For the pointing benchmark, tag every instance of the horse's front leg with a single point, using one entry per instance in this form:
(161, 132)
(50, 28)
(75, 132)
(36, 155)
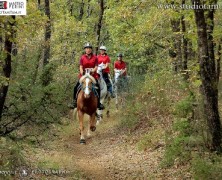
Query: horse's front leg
(116, 101)
(99, 116)
(92, 123)
(116, 97)
(81, 127)
(108, 107)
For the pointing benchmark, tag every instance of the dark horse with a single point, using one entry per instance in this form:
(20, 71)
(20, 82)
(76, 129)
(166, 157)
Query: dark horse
(87, 104)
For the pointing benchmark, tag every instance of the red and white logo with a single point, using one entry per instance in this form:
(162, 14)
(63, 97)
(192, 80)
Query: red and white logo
(3, 4)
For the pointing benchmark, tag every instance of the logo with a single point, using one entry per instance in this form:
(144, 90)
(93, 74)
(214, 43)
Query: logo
(12, 7)
(3, 4)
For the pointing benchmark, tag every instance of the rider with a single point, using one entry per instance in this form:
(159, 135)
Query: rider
(105, 59)
(120, 65)
(88, 60)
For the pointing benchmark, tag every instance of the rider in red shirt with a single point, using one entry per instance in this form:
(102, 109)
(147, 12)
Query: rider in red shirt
(105, 59)
(120, 65)
(87, 60)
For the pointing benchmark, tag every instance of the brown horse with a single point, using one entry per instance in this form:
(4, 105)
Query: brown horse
(87, 104)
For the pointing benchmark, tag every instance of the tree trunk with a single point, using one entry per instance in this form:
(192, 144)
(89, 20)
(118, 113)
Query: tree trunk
(6, 65)
(99, 25)
(177, 45)
(35, 73)
(88, 9)
(46, 53)
(1, 38)
(39, 4)
(210, 28)
(207, 74)
(70, 5)
(47, 34)
(218, 61)
(81, 10)
(185, 49)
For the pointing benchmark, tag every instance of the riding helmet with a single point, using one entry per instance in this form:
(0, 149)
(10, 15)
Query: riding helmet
(87, 45)
(102, 48)
(119, 55)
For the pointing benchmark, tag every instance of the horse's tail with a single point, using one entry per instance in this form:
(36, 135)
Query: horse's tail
(75, 117)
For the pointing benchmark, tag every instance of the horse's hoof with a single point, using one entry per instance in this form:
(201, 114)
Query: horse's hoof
(82, 141)
(93, 128)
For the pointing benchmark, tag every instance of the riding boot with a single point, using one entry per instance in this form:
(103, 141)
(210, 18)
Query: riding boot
(100, 106)
(74, 103)
(110, 89)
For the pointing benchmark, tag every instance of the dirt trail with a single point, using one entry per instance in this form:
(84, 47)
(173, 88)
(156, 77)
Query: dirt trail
(109, 154)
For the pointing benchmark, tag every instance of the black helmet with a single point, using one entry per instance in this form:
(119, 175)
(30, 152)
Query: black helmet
(87, 45)
(119, 55)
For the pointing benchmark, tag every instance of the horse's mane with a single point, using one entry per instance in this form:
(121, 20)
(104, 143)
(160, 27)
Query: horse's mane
(89, 76)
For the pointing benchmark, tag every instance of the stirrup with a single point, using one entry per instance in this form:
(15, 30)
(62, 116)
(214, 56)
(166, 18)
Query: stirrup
(100, 106)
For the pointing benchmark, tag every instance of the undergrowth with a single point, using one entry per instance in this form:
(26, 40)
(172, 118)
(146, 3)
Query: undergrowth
(11, 158)
(165, 96)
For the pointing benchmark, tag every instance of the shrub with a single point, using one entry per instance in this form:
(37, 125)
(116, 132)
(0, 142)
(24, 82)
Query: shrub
(207, 167)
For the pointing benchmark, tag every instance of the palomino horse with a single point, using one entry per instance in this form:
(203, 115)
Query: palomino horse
(119, 88)
(104, 93)
(87, 104)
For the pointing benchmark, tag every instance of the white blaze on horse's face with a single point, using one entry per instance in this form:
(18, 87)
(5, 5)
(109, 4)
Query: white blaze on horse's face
(87, 89)
(100, 68)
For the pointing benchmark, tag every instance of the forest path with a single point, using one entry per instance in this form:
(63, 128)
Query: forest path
(110, 154)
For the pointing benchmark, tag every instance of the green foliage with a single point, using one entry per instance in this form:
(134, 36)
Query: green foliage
(151, 139)
(176, 153)
(184, 107)
(159, 83)
(47, 74)
(48, 165)
(144, 36)
(205, 167)
(12, 156)
(130, 23)
(182, 125)
(129, 117)
(4, 81)
(177, 147)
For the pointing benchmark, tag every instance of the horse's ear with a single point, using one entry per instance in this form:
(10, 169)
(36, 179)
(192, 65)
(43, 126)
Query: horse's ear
(93, 79)
(81, 79)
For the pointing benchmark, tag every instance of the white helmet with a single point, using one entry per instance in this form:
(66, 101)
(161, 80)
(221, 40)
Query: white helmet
(102, 48)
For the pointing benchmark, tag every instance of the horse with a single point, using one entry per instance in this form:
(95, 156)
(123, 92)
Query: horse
(105, 95)
(87, 103)
(119, 88)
